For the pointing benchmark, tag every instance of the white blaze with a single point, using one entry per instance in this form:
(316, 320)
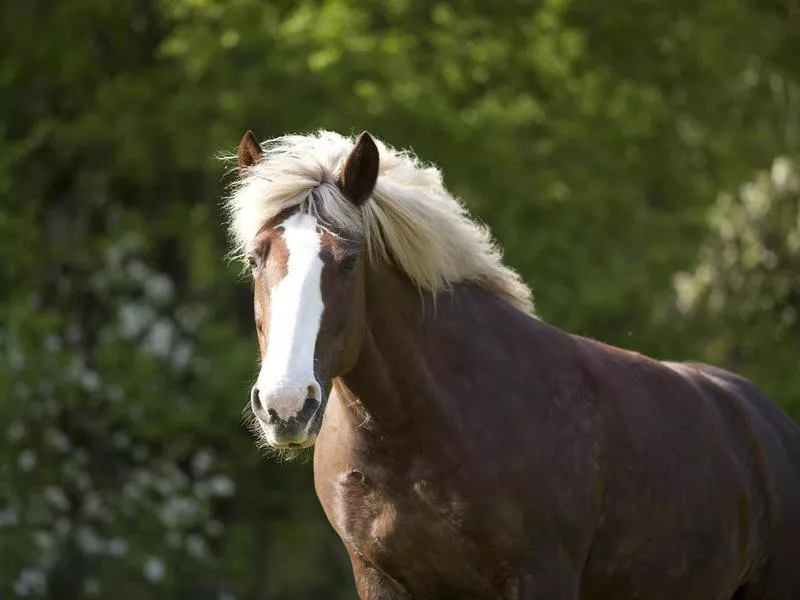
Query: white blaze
(294, 320)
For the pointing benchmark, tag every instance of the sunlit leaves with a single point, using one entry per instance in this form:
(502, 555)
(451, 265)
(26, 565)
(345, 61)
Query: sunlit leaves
(591, 136)
(746, 282)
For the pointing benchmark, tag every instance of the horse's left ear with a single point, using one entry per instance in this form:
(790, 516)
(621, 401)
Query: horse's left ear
(249, 151)
(360, 170)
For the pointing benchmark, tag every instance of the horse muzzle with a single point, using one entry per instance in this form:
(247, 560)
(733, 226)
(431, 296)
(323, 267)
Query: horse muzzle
(289, 415)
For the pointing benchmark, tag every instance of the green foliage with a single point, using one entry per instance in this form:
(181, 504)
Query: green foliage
(593, 138)
(744, 293)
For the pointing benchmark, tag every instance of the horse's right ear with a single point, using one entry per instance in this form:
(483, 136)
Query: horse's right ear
(249, 152)
(360, 170)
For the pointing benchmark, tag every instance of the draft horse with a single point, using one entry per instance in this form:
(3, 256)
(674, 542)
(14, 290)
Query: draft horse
(466, 449)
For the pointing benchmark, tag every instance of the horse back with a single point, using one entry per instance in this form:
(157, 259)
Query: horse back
(770, 436)
(772, 440)
(702, 478)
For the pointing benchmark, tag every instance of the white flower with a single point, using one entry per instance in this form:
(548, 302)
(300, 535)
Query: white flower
(784, 175)
(202, 462)
(56, 496)
(159, 287)
(8, 516)
(221, 485)
(27, 460)
(30, 581)
(15, 431)
(153, 569)
(117, 547)
(88, 541)
(196, 546)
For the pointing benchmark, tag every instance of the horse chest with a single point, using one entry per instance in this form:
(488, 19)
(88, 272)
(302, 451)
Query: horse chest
(415, 529)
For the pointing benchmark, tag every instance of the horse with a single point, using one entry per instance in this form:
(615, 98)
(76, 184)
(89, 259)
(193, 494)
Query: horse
(464, 448)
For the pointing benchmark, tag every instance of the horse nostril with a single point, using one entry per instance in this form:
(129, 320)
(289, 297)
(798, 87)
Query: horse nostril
(273, 416)
(309, 408)
(254, 398)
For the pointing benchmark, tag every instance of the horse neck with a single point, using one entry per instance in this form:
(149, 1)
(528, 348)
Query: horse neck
(410, 343)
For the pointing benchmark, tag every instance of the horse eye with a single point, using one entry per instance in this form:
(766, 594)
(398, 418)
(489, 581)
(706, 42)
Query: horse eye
(349, 263)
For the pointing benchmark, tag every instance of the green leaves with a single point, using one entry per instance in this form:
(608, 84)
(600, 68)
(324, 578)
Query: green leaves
(744, 292)
(592, 138)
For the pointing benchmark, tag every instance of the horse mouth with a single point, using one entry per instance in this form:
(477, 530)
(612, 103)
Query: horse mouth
(295, 445)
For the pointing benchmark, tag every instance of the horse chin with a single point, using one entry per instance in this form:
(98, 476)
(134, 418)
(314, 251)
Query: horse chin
(295, 442)
(298, 445)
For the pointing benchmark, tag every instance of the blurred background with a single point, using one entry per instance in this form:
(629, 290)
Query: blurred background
(636, 158)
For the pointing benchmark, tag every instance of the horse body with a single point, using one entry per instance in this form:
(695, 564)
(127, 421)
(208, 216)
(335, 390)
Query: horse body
(430, 501)
(612, 475)
(465, 449)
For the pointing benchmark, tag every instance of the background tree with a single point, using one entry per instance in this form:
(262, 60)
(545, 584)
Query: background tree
(743, 296)
(594, 139)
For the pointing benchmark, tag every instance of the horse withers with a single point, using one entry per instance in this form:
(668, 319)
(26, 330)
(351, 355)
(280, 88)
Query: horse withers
(464, 448)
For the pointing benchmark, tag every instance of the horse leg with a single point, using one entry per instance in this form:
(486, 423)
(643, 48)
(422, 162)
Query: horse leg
(372, 584)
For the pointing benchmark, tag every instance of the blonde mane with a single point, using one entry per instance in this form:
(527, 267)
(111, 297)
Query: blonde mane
(410, 216)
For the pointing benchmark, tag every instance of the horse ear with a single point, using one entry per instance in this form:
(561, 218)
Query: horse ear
(360, 170)
(249, 151)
